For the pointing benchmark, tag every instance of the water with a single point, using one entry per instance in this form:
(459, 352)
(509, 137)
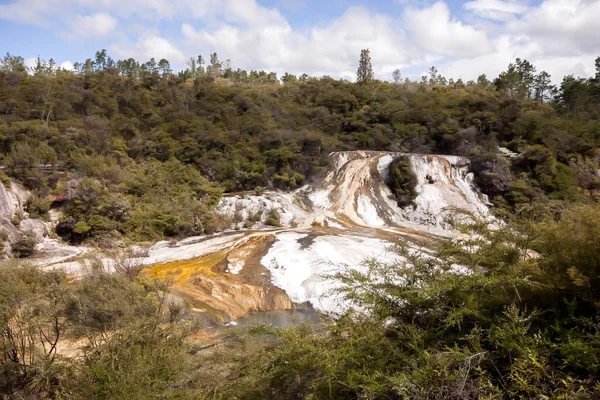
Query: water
(278, 318)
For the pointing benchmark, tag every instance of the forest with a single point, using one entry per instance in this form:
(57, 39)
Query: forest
(132, 153)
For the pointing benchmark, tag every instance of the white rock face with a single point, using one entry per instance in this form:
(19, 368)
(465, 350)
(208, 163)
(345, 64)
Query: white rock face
(7, 204)
(444, 183)
(355, 189)
(38, 227)
(334, 224)
(302, 269)
(241, 208)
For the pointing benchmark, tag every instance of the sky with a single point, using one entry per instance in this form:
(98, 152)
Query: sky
(462, 38)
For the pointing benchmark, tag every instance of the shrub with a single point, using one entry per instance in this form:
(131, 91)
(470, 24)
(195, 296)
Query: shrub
(24, 246)
(4, 179)
(39, 206)
(402, 181)
(273, 219)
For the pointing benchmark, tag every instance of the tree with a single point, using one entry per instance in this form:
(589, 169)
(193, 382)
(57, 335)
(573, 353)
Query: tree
(215, 65)
(433, 75)
(152, 66)
(88, 66)
(200, 65)
(595, 83)
(509, 81)
(483, 81)
(396, 76)
(192, 67)
(164, 66)
(110, 63)
(288, 78)
(40, 67)
(11, 63)
(573, 93)
(227, 70)
(100, 60)
(364, 74)
(526, 72)
(542, 86)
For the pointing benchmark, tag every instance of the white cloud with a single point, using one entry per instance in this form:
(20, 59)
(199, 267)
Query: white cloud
(68, 65)
(559, 36)
(499, 10)
(151, 46)
(93, 26)
(508, 48)
(30, 62)
(26, 11)
(331, 50)
(435, 32)
(563, 27)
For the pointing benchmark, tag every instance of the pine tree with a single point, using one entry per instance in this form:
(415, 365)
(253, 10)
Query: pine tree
(433, 75)
(396, 76)
(365, 69)
(100, 61)
(192, 67)
(164, 66)
(215, 65)
(542, 86)
(200, 65)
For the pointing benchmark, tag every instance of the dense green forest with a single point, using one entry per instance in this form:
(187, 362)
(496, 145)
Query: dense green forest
(128, 133)
(150, 152)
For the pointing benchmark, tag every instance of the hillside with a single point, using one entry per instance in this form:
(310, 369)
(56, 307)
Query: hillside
(441, 236)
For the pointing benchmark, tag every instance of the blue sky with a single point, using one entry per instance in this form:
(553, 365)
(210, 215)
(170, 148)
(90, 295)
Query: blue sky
(462, 38)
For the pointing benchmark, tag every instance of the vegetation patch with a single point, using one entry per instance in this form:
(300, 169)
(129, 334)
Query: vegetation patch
(402, 181)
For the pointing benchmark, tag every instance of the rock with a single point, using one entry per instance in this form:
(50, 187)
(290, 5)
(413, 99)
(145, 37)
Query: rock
(38, 227)
(7, 206)
(55, 215)
(20, 196)
(507, 153)
(71, 189)
(11, 231)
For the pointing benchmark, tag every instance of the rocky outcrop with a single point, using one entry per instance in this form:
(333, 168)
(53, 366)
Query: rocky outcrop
(355, 189)
(7, 204)
(235, 297)
(37, 227)
(12, 204)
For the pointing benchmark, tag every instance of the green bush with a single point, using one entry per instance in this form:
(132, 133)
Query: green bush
(402, 181)
(273, 218)
(39, 206)
(24, 246)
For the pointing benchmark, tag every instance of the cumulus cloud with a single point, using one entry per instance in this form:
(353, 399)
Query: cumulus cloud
(559, 36)
(562, 27)
(436, 32)
(499, 10)
(330, 50)
(26, 11)
(93, 26)
(150, 46)
(68, 65)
